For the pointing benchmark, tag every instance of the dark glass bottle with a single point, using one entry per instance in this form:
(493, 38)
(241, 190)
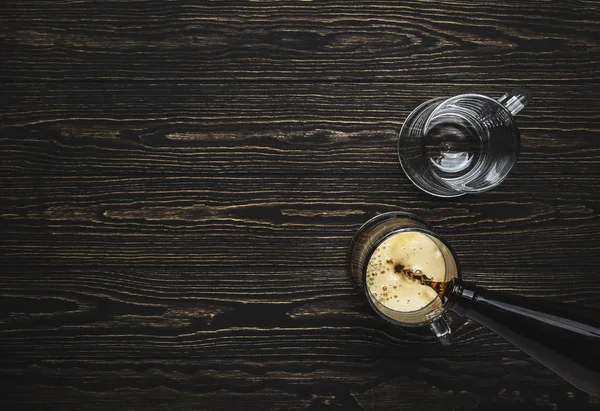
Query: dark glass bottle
(564, 338)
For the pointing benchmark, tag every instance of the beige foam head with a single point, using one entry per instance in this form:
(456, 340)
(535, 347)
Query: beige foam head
(395, 290)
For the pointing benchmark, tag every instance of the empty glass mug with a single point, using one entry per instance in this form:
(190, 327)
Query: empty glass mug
(564, 338)
(463, 144)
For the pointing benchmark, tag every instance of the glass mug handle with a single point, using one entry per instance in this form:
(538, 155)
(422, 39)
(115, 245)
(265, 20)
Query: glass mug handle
(441, 329)
(515, 100)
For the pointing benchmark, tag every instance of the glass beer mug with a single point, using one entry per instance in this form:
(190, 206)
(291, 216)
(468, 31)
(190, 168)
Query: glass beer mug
(411, 277)
(463, 144)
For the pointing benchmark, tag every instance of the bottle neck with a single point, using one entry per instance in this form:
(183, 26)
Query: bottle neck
(458, 297)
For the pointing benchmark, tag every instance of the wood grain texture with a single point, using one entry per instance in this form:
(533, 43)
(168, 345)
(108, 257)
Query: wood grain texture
(241, 128)
(242, 221)
(288, 384)
(416, 41)
(216, 312)
(179, 183)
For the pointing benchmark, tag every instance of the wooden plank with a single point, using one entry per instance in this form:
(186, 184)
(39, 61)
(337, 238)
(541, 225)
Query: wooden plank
(291, 384)
(281, 220)
(210, 312)
(206, 129)
(417, 41)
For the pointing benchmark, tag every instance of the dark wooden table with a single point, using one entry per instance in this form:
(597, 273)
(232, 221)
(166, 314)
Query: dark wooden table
(181, 180)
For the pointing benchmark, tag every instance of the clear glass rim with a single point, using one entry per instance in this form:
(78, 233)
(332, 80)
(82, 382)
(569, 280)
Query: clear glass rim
(474, 95)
